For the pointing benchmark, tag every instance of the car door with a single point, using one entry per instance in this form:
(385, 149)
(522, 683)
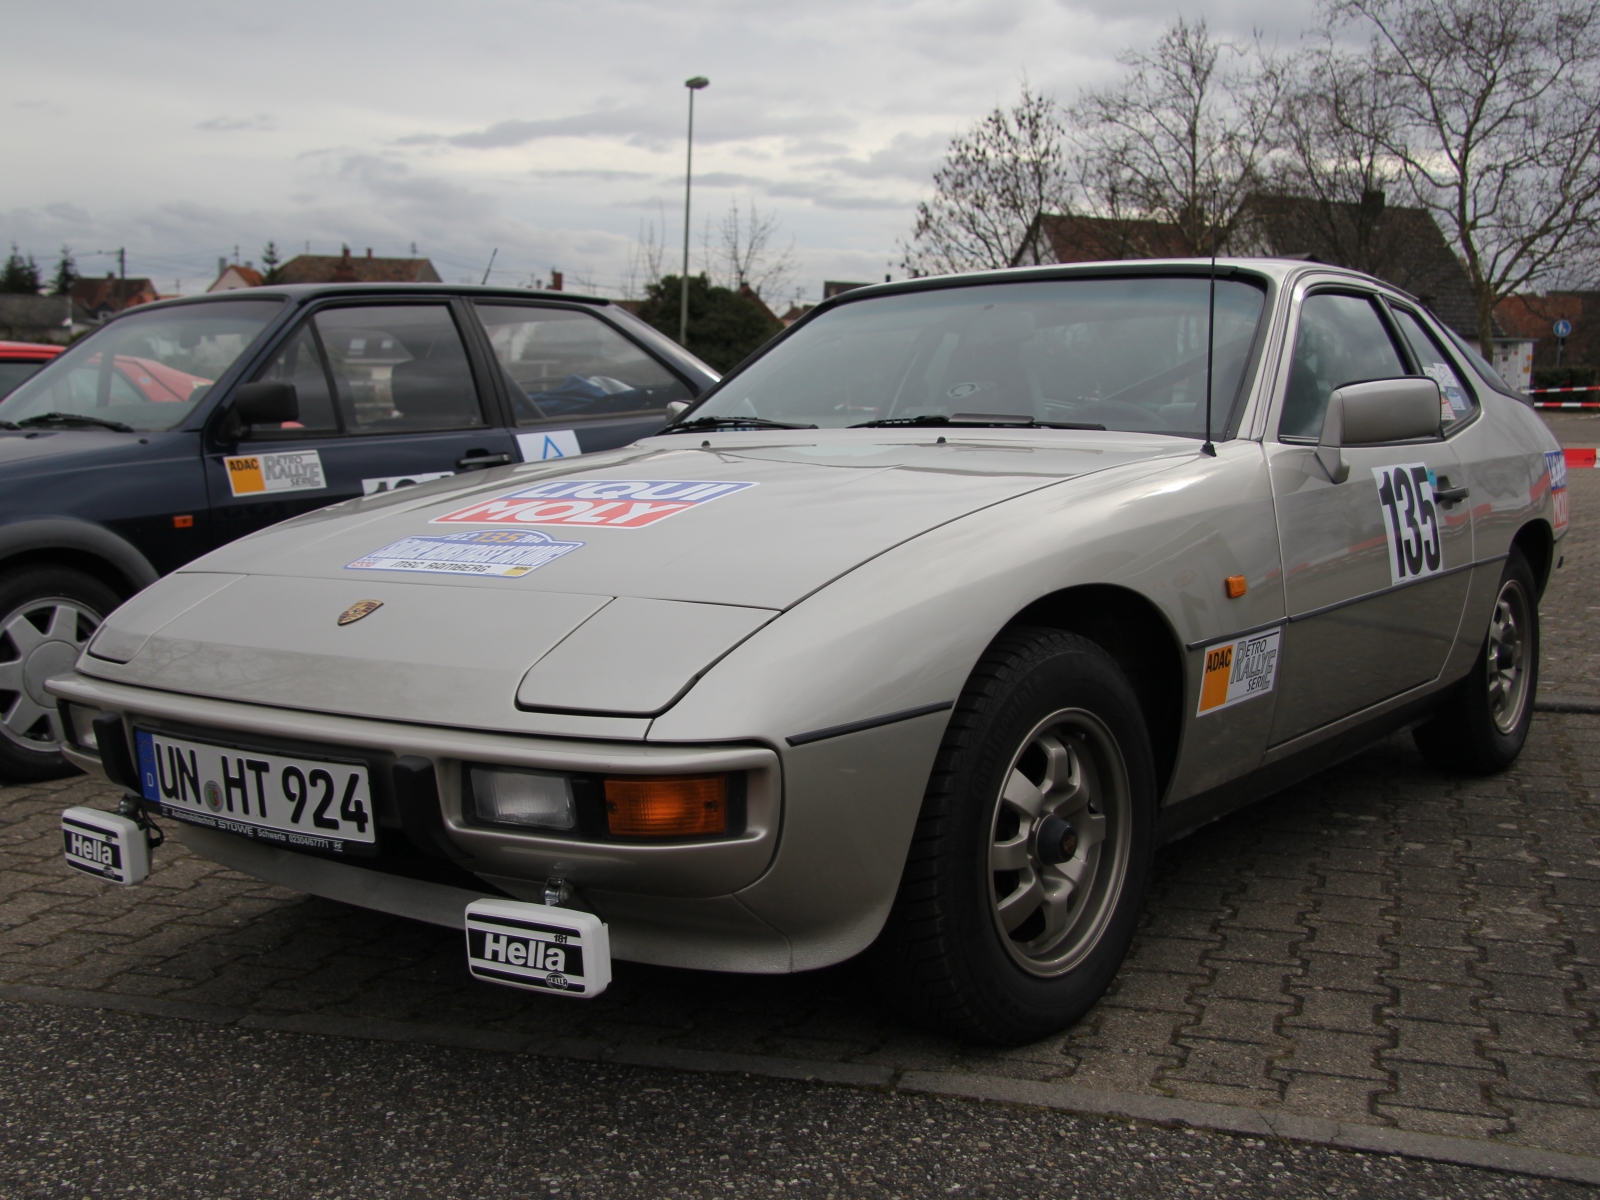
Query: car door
(1375, 566)
(576, 383)
(389, 396)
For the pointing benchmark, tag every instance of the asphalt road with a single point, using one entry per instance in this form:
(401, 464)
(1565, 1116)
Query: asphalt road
(99, 1104)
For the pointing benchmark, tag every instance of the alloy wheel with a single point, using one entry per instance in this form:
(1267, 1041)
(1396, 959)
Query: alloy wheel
(1059, 842)
(38, 639)
(1507, 652)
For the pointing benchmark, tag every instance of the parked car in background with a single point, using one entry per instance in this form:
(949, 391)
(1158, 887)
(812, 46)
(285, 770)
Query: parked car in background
(183, 425)
(22, 360)
(920, 632)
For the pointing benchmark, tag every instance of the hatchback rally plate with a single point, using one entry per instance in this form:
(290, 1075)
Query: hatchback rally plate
(301, 803)
(105, 845)
(534, 946)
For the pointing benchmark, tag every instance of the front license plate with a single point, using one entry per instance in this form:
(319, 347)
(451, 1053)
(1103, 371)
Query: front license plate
(300, 803)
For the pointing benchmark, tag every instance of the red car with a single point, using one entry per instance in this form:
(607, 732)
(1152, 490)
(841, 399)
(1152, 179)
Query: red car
(18, 360)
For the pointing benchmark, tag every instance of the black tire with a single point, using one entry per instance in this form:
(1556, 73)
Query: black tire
(1044, 705)
(1481, 726)
(61, 607)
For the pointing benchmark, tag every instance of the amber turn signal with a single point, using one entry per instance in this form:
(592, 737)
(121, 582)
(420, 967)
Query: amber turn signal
(1235, 585)
(184, 522)
(667, 806)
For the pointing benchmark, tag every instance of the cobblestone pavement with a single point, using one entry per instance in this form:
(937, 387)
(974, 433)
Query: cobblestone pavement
(1378, 945)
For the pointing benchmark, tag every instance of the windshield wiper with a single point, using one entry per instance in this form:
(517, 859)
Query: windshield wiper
(978, 421)
(61, 418)
(732, 423)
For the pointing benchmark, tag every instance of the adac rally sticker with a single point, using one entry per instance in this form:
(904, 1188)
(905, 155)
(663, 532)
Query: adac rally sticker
(1237, 670)
(292, 471)
(506, 553)
(1555, 462)
(597, 503)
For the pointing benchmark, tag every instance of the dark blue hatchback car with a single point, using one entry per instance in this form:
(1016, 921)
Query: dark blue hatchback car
(186, 424)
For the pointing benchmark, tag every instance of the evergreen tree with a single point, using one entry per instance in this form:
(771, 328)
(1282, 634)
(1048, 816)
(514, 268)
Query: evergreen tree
(20, 276)
(724, 327)
(66, 274)
(270, 262)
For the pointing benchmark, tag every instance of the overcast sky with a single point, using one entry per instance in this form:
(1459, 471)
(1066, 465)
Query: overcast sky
(553, 131)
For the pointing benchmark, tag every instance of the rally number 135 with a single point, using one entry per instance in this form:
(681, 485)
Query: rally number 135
(1405, 494)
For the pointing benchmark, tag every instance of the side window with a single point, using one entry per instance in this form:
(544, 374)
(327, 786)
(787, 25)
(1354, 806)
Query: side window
(300, 362)
(560, 364)
(399, 368)
(1456, 403)
(1341, 340)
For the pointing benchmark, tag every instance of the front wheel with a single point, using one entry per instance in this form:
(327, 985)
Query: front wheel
(1031, 855)
(49, 614)
(1481, 727)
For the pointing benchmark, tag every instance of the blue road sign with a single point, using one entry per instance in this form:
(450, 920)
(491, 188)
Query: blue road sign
(1562, 328)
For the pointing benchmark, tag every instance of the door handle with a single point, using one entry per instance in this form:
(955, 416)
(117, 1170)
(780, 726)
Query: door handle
(1447, 495)
(474, 459)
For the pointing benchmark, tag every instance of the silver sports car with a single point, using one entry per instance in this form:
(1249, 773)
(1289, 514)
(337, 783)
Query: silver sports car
(916, 636)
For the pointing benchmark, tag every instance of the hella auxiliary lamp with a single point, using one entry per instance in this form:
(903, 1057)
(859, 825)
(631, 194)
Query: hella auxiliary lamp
(622, 807)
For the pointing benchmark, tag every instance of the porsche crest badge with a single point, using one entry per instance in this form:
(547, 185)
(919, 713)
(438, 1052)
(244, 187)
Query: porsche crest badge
(361, 608)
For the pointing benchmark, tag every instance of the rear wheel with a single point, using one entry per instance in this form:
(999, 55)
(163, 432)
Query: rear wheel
(1481, 728)
(1031, 854)
(47, 615)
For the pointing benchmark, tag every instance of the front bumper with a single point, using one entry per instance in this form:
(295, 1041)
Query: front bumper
(511, 861)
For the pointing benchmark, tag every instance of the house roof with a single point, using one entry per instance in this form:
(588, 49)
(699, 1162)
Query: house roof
(112, 294)
(241, 277)
(1402, 246)
(344, 268)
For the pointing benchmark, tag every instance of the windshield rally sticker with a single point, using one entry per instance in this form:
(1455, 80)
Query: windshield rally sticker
(1239, 670)
(293, 471)
(597, 503)
(486, 552)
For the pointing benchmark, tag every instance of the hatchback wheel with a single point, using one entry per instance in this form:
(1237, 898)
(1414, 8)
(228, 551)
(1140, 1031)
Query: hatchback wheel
(1483, 723)
(47, 615)
(1031, 855)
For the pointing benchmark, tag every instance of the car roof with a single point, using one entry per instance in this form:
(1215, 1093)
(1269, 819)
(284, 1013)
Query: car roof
(301, 292)
(1279, 270)
(29, 350)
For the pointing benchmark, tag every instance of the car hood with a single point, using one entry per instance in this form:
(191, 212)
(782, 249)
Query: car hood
(604, 585)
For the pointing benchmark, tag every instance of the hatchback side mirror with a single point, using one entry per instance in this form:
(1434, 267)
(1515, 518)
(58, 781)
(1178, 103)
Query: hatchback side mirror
(266, 404)
(1375, 414)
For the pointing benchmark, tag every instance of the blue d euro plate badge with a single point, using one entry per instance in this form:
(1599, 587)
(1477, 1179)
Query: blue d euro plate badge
(505, 553)
(534, 946)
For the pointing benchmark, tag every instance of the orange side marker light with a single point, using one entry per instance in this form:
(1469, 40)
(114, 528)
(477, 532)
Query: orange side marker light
(1235, 586)
(184, 522)
(681, 806)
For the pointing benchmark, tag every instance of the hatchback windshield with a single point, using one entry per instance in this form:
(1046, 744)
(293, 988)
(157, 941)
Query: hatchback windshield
(145, 371)
(1126, 354)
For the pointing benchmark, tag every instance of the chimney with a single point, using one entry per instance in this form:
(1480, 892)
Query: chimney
(555, 280)
(369, 253)
(222, 264)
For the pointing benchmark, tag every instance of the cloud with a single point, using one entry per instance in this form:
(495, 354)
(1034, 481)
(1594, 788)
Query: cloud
(260, 123)
(907, 156)
(589, 173)
(653, 128)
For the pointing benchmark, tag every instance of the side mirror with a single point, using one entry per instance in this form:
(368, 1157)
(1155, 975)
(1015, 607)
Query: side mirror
(676, 409)
(1375, 414)
(266, 404)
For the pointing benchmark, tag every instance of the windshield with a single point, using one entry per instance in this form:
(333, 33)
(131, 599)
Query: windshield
(145, 371)
(1126, 354)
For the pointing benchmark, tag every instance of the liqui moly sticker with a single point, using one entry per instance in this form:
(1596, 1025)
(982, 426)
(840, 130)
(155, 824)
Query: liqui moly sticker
(594, 503)
(1238, 670)
(1556, 462)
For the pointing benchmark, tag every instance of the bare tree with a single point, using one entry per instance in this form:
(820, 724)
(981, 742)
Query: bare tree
(1185, 139)
(645, 258)
(743, 253)
(1495, 129)
(997, 180)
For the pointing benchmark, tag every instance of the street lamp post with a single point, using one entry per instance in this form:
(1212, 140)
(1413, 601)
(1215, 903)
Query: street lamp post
(694, 85)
